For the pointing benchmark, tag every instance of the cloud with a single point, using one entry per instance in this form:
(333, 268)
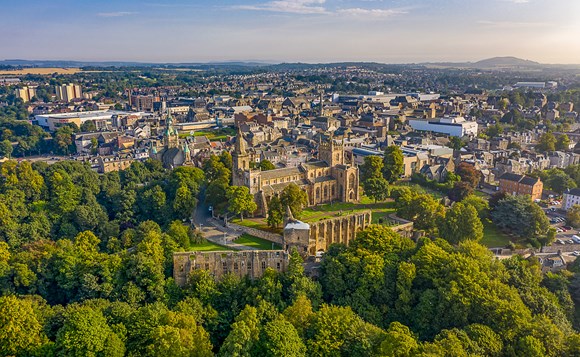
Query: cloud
(517, 1)
(370, 12)
(115, 14)
(288, 6)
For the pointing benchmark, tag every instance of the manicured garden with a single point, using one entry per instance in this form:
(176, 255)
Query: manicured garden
(207, 246)
(257, 243)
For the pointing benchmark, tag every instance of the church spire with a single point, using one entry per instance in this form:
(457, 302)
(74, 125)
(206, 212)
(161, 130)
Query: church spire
(240, 147)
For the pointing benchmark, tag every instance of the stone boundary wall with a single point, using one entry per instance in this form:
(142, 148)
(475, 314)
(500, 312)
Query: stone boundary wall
(272, 237)
(402, 226)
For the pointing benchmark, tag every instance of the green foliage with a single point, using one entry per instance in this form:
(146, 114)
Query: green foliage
(393, 163)
(547, 142)
(562, 142)
(292, 196)
(376, 188)
(372, 168)
(6, 148)
(20, 328)
(481, 205)
(266, 165)
(573, 216)
(461, 223)
(275, 212)
(521, 216)
(240, 200)
(423, 209)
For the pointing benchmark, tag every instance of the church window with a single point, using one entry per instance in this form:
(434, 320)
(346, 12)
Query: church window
(278, 266)
(326, 192)
(263, 265)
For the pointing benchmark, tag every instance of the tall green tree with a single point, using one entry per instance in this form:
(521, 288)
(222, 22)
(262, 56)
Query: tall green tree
(240, 200)
(461, 223)
(371, 168)
(275, 212)
(547, 142)
(377, 188)
(393, 163)
(6, 148)
(295, 198)
(562, 142)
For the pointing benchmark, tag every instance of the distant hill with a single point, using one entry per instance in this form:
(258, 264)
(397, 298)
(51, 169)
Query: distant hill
(505, 62)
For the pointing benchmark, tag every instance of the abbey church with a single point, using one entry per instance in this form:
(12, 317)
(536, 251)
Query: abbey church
(329, 179)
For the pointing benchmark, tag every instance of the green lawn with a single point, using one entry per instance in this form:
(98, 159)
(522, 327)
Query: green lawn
(256, 223)
(255, 242)
(212, 135)
(207, 246)
(492, 236)
(318, 213)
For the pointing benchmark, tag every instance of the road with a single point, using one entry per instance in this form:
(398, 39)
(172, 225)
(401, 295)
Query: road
(213, 229)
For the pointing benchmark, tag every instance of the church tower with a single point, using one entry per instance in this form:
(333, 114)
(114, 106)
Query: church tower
(330, 152)
(241, 160)
(170, 136)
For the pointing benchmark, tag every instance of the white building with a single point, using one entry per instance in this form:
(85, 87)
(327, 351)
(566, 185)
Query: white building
(571, 198)
(102, 118)
(453, 126)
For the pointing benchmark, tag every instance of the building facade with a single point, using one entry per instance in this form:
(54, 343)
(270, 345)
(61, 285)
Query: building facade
(571, 198)
(68, 92)
(326, 180)
(517, 185)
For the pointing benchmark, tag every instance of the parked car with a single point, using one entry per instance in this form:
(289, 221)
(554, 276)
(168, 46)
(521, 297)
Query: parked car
(566, 228)
(558, 241)
(575, 253)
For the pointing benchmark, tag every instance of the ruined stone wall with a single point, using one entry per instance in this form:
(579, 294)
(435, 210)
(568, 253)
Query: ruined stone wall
(401, 226)
(272, 237)
(250, 263)
(341, 229)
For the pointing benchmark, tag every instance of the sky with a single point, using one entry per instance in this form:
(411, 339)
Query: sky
(386, 31)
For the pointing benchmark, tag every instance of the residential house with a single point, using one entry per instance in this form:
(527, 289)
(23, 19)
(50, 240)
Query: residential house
(517, 185)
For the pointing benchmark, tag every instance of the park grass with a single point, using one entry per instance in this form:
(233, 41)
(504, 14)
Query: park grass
(256, 223)
(492, 236)
(321, 212)
(213, 135)
(255, 242)
(207, 246)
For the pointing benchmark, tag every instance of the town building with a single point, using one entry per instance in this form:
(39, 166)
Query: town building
(25, 93)
(516, 185)
(68, 92)
(571, 198)
(453, 126)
